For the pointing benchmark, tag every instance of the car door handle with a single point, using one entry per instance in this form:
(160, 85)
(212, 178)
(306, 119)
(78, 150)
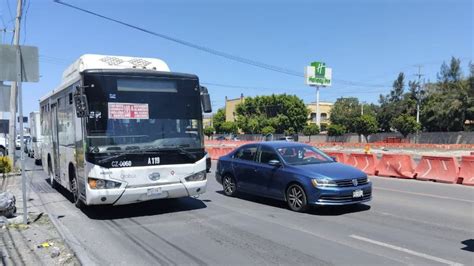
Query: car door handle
(255, 169)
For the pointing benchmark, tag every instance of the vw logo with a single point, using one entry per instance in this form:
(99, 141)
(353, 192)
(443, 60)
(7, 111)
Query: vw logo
(154, 176)
(354, 182)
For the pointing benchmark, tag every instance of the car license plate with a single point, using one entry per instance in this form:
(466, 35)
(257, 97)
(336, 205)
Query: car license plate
(357, 193)
(154, 191)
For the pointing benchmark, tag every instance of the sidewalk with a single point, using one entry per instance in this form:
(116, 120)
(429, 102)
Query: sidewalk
(38, 242)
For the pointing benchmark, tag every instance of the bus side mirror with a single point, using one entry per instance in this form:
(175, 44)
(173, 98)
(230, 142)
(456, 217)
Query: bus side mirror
(82, 108)
(205, 100)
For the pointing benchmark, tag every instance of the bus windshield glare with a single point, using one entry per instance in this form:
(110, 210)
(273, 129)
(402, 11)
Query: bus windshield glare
(142, 113)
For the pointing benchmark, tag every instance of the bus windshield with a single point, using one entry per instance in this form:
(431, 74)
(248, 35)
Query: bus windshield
(147, 112)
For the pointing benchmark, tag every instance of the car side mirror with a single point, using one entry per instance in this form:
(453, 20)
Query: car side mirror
(334, 158)
(275, 163)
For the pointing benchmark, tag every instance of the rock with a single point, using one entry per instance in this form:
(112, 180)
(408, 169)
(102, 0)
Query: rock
(7, 204)
(55, 252)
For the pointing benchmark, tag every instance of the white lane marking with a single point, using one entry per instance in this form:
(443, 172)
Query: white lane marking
(423, 194)
(409, 251)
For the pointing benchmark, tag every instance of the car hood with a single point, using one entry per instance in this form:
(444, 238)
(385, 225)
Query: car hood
(335, 171)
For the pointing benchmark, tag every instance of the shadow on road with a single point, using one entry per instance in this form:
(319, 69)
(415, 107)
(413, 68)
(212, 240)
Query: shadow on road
(469, 245)
(148, 208)
(317, 210)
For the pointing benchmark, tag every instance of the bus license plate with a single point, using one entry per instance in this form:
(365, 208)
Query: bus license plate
(357, 193)
(154, 191)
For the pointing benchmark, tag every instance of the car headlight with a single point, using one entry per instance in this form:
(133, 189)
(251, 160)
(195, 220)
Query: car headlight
(95, 183)
(199, 176)
(323, 182)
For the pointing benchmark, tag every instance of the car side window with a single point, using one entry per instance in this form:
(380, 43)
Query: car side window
(267, 154)
(246, 153)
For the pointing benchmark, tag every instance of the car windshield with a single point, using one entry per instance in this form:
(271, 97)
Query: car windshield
(302, 155)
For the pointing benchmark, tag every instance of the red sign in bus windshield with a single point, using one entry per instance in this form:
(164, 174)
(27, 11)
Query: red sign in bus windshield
(128, 111)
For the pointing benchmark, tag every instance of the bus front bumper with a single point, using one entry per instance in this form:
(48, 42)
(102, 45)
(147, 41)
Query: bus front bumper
(130, 195)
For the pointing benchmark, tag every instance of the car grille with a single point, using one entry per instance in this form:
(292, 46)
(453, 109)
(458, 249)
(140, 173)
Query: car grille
(349, 183)
(345, 198)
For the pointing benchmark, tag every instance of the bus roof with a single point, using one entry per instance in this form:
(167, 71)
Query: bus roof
(107, 62)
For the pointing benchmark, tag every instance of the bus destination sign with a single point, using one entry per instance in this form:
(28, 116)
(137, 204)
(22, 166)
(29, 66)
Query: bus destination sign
(128, 111)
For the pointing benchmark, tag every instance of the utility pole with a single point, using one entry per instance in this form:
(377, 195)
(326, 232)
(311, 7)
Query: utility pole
(418, 93)
(14, 92)
(318, 114)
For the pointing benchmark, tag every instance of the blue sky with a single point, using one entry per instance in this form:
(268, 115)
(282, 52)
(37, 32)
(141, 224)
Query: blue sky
(366, 42)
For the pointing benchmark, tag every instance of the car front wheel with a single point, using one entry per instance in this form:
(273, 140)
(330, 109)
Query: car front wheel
(296, 198)
(229, 186)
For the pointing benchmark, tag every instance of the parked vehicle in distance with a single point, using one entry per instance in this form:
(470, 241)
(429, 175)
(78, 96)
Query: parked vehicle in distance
(18, 141)
(3, 144)
(287, 138)
(293, 172)
(220, 138)
(36, 137)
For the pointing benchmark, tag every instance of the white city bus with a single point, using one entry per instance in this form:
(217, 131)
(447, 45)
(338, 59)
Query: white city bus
(121, 130)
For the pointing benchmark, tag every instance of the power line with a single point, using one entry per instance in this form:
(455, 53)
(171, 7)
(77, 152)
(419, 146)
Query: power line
(211, 50)
(190, 44)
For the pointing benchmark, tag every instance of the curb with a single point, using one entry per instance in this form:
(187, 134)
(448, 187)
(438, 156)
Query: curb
(71, 242)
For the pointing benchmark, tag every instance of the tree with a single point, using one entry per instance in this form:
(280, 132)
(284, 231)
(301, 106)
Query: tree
(396, 102)
(289, 132)
(209, 131)
(345, 111)
(278, 111)
(268, 130)
(451, 73)
(335, 130)
(366, 125)
(218, 119)
(398, 87)
(406, 124)
(229, 128)
(449, 102)
(311, 129)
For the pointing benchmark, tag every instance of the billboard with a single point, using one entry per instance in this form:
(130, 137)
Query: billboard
(317, 74)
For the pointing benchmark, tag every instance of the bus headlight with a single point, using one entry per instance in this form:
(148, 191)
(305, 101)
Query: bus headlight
(95, 183)
(199, 176)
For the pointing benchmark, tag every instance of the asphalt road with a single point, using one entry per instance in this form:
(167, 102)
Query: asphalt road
(407, 222)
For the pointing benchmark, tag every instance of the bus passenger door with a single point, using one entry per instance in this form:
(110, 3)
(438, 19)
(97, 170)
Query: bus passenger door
(54, 138)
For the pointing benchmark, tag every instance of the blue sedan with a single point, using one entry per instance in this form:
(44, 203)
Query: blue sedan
(294, 172)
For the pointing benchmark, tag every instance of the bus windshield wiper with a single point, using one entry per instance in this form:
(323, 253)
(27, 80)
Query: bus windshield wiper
(172, 148)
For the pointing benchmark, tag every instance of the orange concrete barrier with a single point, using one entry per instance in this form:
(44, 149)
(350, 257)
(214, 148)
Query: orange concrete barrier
(364, 162)
(439, 169)
(396, 165)
(466, 170)
(340, 156)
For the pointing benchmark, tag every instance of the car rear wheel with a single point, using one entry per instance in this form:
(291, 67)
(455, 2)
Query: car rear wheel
(229, 186)
(296, 198)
